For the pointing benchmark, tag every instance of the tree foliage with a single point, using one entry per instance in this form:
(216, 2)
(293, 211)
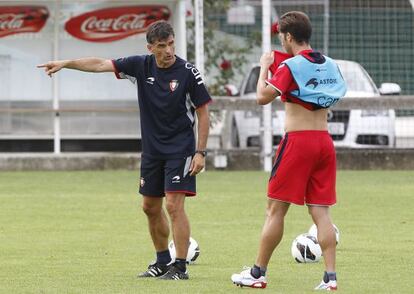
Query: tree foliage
(224, 57)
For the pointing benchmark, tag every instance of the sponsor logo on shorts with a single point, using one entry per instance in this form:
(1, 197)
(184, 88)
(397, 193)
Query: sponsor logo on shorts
(142, 182)
(150, 80)
(176, 179)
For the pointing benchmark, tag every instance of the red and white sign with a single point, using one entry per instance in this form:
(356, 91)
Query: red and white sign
(22, 19)
(112, 24)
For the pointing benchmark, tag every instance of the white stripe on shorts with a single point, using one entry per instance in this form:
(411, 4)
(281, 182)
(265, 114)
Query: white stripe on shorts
(187, 166)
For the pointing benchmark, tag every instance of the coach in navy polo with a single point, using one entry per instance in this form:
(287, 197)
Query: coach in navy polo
(170, 93)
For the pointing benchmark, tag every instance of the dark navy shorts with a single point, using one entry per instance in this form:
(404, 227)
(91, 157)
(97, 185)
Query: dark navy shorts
(160, 176)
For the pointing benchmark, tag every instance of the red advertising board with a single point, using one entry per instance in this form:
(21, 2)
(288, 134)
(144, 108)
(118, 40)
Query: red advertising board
(116, 23)
(22, 19)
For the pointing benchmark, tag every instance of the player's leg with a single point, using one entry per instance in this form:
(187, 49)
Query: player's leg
(287, 185)
(320, 196)
(272, 234)
(151, 187)
(326, 234)
(181, 236)
(327, 241)
(283, 189)
(157, 222)
(179, 223)
(178, 185)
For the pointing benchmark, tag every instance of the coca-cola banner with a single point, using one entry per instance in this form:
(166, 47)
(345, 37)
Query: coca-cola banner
(112, 24)
(22, 19)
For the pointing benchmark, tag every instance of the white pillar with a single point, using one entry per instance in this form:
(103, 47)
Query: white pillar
(199, 35)
(326, 27)
(180, 25)
(55, 83)
(267, 109)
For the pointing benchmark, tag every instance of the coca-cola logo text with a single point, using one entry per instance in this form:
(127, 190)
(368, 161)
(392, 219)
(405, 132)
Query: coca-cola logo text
(22, 19)
(112, 24)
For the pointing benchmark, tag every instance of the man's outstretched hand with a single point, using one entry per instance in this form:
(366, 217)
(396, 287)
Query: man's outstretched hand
(52, 66)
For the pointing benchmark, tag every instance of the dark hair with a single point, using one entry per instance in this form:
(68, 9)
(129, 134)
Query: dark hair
(297, 24)
(159, 31)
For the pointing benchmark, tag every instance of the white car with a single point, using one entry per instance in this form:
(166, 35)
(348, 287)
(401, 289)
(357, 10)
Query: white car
(349, 128)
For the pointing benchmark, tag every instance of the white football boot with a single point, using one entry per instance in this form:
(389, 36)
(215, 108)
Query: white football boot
(245, 279)
(330, 286)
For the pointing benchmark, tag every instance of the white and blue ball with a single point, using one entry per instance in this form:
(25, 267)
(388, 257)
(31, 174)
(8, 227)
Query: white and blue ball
(306, 249)
(192, 254)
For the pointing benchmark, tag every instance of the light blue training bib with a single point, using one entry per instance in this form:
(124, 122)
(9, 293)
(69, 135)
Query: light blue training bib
(320, 84)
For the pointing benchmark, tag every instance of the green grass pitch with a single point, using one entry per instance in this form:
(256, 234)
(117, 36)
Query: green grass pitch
(84, 232)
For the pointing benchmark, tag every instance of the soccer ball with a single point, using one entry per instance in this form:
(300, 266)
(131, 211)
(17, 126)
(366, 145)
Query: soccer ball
(313, 231)
(192, 254)
(306, 249)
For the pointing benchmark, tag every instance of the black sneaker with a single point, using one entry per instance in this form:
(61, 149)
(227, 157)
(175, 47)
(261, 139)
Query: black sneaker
(174, 273)
(154, 270)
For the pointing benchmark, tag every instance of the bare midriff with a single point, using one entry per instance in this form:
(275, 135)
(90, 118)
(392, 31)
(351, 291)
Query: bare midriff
(299, 118)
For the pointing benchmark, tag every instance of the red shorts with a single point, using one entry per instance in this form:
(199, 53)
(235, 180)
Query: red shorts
(304, 170)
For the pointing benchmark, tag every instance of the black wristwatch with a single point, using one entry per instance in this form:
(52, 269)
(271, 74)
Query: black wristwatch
(202, 152)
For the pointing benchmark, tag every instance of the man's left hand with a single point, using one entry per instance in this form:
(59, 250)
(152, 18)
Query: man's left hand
(197, 164)
(267, 59)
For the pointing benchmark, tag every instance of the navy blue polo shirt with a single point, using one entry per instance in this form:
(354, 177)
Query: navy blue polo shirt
(167, 100)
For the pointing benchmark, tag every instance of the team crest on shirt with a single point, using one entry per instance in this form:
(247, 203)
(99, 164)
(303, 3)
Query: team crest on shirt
(174, 85)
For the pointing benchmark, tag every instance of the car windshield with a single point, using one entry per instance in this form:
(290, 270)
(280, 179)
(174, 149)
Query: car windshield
(356, 78)
(251, 83)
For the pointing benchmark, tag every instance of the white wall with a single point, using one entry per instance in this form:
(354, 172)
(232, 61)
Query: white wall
(25, 51)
